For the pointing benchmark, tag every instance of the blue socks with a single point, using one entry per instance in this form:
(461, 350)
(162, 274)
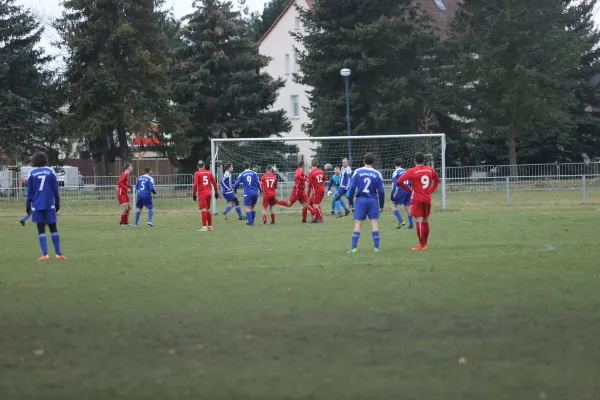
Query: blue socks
(343, 204)
(26, 217)
(253, 215)
(137, 216)
(410, 220)
(43, 243)
(398, 215)
(355, 237)
(375, 239)
(239, 211)
(250, 217)
(55, 242)
(150, 215)
(227, 209)
(338, 209)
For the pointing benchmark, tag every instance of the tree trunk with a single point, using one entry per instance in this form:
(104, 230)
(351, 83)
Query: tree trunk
(512, 154)
(123, 145)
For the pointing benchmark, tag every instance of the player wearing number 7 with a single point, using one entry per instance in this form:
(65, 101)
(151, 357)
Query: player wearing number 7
(268, 182)
(424, 181)
(368, 185)
(203, 179)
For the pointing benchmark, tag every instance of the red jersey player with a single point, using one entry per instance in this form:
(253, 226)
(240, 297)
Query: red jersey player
(316, 190)
(424, 181)
(123, 190)
(298, 193)
(203, 179)
(269, 186)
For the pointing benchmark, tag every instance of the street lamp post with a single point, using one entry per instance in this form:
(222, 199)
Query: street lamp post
(345, 72)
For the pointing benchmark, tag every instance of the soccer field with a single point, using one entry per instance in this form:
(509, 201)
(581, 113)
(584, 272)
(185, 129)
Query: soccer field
(505, 304)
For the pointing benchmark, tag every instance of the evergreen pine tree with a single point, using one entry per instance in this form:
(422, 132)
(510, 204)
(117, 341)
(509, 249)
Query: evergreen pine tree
(261, 22)
(219, 85)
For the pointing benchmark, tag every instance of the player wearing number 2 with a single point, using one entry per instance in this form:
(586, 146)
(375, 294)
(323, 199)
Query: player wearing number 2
(316, 190)
(424, 181)
(203, 180)
(367, 183)
(268, 182)
(251, 190)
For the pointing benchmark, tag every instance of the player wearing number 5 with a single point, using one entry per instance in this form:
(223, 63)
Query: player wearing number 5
(268, 182)
(367, 184)
(145, 189)
(203, 180)
(424, 181)
(316, 190)
(251, 190)
(43, 203)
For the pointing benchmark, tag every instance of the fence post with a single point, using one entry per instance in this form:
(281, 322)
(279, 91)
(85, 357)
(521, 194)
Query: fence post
(508, 190)
(584, 191)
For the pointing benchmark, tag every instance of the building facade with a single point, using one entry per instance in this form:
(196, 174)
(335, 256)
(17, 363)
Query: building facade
(278, 44)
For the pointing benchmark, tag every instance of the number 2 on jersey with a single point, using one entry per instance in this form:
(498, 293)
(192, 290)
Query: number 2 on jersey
(367, 184)
(425, 181)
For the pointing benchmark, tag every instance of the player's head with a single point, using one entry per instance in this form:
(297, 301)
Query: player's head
(147, 170)
(420, 159)
(127, 167)
(228, 167)
(314, 163)
(336, 170)
(369, 159)
(269, 169)
(345, 162)
(398, 162)
(247, 165)
(301, 164)
(40, 159)
(200, 164)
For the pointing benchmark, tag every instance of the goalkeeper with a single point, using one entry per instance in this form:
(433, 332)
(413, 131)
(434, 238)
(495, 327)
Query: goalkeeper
(336, 205)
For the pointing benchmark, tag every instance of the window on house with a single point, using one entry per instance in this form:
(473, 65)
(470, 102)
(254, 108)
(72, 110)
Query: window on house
(296, 66)
(287, 64)
(297, 23)
(440, 4)
(295, 106)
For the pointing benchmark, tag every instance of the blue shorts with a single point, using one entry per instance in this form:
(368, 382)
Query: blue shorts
(144, 201)
(250, 200)
(229, 197)
(339, 192)
(402, 198)
(366, 207)
(44, 216)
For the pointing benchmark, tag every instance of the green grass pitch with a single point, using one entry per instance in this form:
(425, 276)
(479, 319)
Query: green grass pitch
(505, 304)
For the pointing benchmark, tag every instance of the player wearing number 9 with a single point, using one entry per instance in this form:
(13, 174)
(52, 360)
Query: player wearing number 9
(367, 184)
(424, 181)
(43, 201)
(252, 188)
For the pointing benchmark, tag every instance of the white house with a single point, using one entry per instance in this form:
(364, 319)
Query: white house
(278, 44)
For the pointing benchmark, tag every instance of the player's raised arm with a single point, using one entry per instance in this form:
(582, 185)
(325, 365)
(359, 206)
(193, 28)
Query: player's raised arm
(403, 178)
(436, 180)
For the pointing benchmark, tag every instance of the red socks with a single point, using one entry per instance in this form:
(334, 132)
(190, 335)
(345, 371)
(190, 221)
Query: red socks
(272, 218)
(204, 219)
(265, 218)
(304, 212)
(209, 218)
(282, 203)
(123, 218)
(423, 232)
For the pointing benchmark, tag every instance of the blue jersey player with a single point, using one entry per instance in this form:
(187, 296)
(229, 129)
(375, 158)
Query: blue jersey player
(252, 189)
(145, 189)
(43, 203)
(229, 194)
(345, 177)
(400, 197)
(334, 183)
(367, 185)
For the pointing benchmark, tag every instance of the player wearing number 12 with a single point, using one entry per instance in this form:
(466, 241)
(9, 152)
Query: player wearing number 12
(268, 182)
(251, 190)
(424, 181)
(298, 193)
(145, 189)
(203, 180)
(316, 190)
(43, 202)
(367, 183)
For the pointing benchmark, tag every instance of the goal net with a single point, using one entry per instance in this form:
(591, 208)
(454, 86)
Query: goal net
(283, 154)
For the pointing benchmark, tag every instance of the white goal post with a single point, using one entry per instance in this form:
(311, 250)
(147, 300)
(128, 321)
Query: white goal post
(284, 153)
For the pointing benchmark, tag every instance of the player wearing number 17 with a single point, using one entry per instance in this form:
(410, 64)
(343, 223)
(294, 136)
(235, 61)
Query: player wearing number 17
(424, 181)
(203, 180)
(268, 182)
(43, 202)
(367, 183)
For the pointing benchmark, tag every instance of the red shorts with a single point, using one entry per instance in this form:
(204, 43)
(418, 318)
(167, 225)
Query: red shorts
(420, 209)
(204, 201)
(316, 198)
(123, 198)
(269, 201)
(298, 195)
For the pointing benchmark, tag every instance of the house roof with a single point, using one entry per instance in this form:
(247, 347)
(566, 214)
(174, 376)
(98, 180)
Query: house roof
(440, 18)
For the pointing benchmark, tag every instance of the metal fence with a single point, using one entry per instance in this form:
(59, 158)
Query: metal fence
(576, 183)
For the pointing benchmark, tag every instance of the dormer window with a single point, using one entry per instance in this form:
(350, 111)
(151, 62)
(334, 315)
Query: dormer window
(440, 4)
